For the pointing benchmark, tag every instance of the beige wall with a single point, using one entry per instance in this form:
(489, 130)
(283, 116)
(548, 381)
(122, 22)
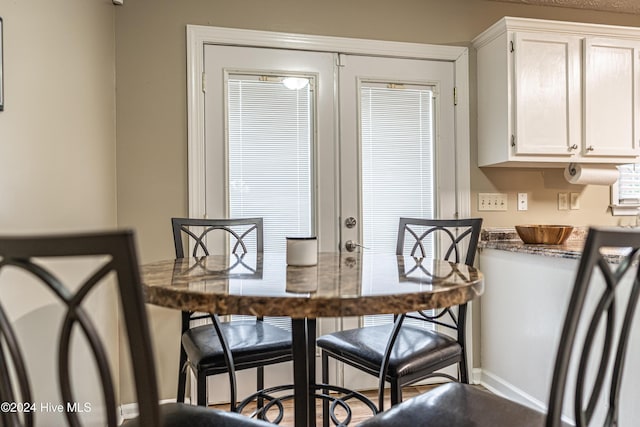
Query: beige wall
(151, 104)
(57, 130)
(57, 156)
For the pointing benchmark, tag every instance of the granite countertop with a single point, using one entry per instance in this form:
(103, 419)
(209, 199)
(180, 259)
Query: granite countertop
(507, 239)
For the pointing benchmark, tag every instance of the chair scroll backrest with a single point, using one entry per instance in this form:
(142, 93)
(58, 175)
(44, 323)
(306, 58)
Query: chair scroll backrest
(459, 239)
(455, 237)
(114, 252)
(461, 236)
(619, 292)
(198, 229)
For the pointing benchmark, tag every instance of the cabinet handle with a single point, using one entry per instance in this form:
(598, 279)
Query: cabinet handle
(574, 147)
(513, 140)
(590, 148)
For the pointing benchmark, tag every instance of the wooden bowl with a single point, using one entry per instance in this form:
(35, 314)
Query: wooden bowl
(544, 234)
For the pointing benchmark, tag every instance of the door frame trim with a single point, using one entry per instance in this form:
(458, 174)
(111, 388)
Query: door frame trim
(199, 35)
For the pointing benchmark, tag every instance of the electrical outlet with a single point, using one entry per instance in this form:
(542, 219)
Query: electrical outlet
(523, 203)
(492, 201)
(563, 201)
(575, 200)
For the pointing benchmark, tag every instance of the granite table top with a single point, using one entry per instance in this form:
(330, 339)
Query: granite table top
(339, 285)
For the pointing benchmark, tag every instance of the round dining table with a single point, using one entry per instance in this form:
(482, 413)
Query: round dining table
(341, 284)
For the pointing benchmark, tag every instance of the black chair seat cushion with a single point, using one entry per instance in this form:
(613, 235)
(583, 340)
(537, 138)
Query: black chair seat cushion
(182, 415)
(458, 405)
(414, 349)
(251, 344)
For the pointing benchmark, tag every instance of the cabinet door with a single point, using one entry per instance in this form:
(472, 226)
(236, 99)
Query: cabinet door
(547, 101)
(611, 97)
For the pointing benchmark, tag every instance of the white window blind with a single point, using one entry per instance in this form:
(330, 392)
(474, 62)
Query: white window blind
(625, 193)
(397, 143)
(397, 160)
(629, 184)
(270, 146)
(270, 159)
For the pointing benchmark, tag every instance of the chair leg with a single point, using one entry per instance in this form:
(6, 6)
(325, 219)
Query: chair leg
(325, 380)
(182, 375)
(202, 390)
(462, 340)
(396, 392)
(464, 371)
(260, 385)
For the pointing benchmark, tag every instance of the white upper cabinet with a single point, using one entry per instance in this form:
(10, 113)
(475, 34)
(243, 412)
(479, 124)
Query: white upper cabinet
(611, 94)
(551, 93)
(546, 69)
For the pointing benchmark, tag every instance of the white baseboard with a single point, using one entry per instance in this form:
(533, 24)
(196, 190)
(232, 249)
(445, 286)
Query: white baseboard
(499, 386)
(130, 410)
(503, 388)
(476, 376)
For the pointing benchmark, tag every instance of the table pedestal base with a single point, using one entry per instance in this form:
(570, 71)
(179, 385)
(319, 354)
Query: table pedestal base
(270, 402)
(303, 335)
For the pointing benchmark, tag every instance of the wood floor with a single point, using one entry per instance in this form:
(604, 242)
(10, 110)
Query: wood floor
(360, 411)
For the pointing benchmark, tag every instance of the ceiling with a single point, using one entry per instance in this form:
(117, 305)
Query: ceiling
(621, 6)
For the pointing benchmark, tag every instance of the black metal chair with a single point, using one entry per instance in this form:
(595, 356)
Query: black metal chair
(413, 352)
(111, 256)
(225, 347)
(592, 350)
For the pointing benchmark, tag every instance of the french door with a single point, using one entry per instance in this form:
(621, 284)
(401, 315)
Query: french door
(352, 144)
(270, 152)
(397, 158)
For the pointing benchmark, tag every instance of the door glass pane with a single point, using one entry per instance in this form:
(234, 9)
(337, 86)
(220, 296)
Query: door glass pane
(397, 147)
(270, 155)
(270, 160)
(397, 166)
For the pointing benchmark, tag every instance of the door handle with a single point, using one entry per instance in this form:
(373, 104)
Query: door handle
(351, 246)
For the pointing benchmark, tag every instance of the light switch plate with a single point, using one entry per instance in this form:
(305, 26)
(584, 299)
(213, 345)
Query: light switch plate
(574, 200)
(492, 201)
(523, 202)
(563, 201)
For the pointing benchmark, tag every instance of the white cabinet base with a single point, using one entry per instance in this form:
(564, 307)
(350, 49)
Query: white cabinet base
(523, 309)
